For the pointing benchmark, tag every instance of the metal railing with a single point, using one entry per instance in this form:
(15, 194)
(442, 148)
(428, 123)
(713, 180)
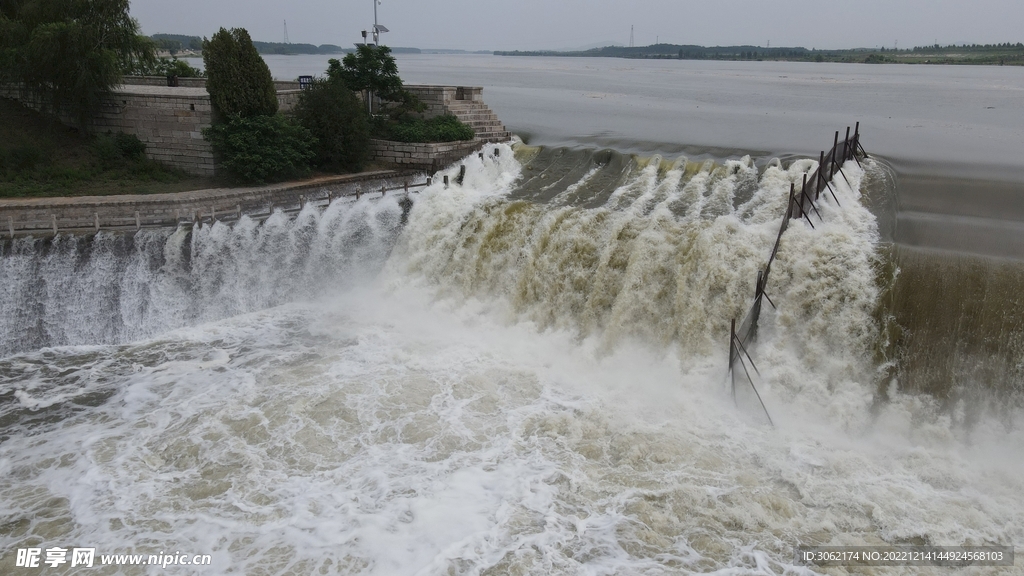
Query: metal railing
(800, 206)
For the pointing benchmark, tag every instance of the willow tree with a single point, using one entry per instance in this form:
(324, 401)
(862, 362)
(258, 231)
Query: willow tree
(67, 54)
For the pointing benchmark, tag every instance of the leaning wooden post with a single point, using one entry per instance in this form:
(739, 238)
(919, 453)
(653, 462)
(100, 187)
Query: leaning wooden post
(96, 220)
(406, 186)
(10, 226)
(820, 176)
(732, 355)
(446, 181)
(803, 188)
(835, 148)
(138, 221)
(856, 137)
(846, 145)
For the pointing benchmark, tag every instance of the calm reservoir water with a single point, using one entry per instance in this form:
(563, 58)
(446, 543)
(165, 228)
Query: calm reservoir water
(529, 375)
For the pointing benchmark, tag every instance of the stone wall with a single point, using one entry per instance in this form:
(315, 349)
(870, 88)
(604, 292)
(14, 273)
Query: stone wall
(196, 82)
(438, 99)
(162, 81)
(170, 120)
(169, 123)
(39, 216)
(429, 157)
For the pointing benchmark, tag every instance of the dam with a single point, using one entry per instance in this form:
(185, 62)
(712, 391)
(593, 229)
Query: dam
(527, 375)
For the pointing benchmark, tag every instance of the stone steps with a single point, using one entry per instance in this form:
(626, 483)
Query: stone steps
(481, 118)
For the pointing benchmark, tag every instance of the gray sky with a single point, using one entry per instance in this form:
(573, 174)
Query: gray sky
(558, 24)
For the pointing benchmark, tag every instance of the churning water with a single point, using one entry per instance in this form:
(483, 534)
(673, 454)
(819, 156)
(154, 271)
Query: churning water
(528, 377)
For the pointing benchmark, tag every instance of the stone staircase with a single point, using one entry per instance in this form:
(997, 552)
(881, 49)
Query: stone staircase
(483, 121)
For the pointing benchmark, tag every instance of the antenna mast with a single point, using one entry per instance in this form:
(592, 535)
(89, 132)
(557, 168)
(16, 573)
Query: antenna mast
(630, 35)
(377, 28)
(286, 32)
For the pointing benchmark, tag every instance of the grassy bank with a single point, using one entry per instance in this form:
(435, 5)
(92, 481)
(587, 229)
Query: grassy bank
(39, 157)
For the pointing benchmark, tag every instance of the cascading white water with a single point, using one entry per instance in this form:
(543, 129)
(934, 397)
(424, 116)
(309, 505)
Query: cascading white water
(524, 387)
(112, 288)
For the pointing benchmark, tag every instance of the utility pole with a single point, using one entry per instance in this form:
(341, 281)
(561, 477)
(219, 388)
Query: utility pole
(630, 35)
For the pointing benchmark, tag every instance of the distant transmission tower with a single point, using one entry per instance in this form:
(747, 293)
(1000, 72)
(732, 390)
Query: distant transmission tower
(630, 35)
(286, 32)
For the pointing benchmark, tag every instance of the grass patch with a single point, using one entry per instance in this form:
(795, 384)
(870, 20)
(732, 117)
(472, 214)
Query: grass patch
(41, 157)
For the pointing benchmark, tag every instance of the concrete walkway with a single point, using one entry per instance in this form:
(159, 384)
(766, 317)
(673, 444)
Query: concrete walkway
(48, 215)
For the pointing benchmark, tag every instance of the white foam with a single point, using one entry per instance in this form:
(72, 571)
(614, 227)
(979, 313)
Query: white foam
(444, 418)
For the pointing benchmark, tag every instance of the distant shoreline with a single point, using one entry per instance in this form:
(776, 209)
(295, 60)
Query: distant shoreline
(975, 54)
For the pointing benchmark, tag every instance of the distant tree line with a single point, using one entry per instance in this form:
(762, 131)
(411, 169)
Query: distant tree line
(974, 53)
(175, 43)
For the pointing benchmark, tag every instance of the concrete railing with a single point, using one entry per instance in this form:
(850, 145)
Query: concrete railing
(85, 214)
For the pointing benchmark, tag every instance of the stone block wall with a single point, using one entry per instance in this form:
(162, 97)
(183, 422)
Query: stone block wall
(170, 120)
(196, 82)
(169, 123)
(162, 81)
(287, 99)
(430, 157)
(438, 99)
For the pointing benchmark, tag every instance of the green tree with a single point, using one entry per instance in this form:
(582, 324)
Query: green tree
(373, 69)
(67, 54)
(239, 81)
(334, 116)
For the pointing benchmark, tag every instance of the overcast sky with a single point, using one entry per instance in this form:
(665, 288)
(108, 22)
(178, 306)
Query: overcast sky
(559, 24)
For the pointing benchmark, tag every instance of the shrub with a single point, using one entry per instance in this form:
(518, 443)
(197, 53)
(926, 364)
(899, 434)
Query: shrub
(262, 149)
(445, 128)
(164, 67)
(114, 150)
(334, 116)
(20, 159)
(239, 81)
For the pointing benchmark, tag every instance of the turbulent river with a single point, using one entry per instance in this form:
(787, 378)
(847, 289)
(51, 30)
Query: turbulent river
(527, 377)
